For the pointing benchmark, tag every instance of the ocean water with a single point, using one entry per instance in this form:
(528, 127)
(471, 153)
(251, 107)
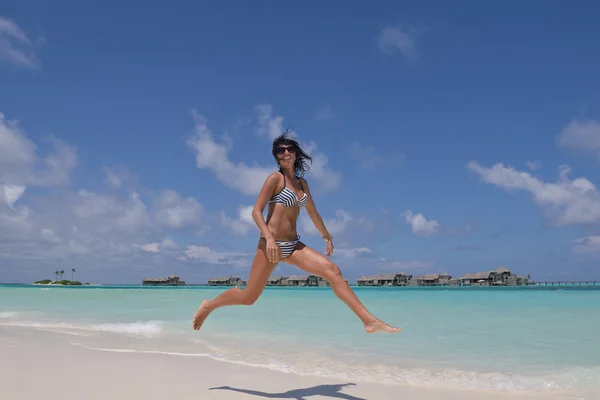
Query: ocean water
(506, 339)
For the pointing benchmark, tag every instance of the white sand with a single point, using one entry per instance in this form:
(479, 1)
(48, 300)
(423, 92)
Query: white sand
(47, 365)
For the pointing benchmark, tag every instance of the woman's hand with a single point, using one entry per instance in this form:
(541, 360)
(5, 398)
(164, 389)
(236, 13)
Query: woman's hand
(328, 248)
(273, 251)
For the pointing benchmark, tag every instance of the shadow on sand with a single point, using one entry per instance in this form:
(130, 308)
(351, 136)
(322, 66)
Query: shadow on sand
(333, 391)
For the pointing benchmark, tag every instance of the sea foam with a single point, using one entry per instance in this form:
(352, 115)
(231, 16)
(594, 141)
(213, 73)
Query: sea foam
(138, 328)
(8, 314)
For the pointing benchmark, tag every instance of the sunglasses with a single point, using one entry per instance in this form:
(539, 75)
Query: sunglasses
(281, 150)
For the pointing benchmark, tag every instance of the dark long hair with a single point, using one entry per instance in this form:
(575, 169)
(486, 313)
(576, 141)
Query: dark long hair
(300, 165)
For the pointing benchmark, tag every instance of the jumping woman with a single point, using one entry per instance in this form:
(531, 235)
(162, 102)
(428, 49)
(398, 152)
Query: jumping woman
(285, 192)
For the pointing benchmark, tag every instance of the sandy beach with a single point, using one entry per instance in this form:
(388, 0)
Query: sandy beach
(63, 365)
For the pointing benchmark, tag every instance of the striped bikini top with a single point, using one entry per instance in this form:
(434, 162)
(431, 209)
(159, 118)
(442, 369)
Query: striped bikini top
(288, 197)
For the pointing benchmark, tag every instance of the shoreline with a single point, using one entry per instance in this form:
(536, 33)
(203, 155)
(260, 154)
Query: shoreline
(276, 287)
(102, 366)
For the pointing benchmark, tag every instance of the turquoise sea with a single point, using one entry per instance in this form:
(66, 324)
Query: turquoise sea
(509, 339)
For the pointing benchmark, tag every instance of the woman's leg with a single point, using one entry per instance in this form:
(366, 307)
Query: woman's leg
(317, 264)
(259, 274)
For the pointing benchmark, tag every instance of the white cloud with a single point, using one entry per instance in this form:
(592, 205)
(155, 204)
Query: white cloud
(565, 202)
(11, 193)
(243, 223)
(245, 214)
(118, 177)
(175, 211)
(588, 245)
(420, 225)
(206, 255)
(156, 247)
(149, 247)
(21, 166)
(354, 252)
(533, 165)
(268, 125)
(168, 244)
(392, 39)
(15, 46)
(343, 223)
(214, 157)
(113, 179)
(583, 136)
(109, 214)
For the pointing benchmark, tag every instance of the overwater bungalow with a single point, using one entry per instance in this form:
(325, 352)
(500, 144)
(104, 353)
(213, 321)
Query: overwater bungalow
(226, 281)
(454, 282)
(416, 281)
(431, 280)
(514, 280)
(391, 279)
(501, 276)
(444, 279)
(476, 279)
(172, 280)
(302, 280)
(324, 282)
(276, 280)
(298, 280)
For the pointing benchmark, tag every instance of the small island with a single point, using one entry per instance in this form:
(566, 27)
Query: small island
(63, 282)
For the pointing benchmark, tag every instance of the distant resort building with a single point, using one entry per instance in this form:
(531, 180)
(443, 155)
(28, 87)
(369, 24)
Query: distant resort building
(276, 280)
(399, 279)
(226, 281)
(172, 280)
(433, 280)
(499, 277)
(298, 280)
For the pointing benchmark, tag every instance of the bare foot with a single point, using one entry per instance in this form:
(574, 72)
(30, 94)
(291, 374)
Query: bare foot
(379, 326)
(201, 315)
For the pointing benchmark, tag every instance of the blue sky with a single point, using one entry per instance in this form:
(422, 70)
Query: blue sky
(447, 137)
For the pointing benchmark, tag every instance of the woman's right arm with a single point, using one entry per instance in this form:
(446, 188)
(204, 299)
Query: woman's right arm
(272, 250)
(261, 202)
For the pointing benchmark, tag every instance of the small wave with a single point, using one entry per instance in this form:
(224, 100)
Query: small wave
(272, 366)
(168, 353)
(8, 314)
(139, 328)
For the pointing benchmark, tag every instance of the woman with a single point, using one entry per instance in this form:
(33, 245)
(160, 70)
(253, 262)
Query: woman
(285, 192)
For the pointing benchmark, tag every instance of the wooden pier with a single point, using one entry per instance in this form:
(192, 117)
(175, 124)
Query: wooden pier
(565, 283)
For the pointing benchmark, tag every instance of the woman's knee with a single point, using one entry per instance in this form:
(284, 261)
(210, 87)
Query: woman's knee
(249, 298)
(332, 272)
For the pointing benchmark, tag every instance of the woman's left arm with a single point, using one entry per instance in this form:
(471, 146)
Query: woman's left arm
(315, 217)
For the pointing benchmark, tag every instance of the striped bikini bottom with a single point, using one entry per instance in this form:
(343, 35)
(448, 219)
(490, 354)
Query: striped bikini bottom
(287, 246)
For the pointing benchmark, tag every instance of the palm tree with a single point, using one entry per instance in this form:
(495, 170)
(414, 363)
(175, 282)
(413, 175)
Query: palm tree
(56, 274)
(62, 273)
(72, 272)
